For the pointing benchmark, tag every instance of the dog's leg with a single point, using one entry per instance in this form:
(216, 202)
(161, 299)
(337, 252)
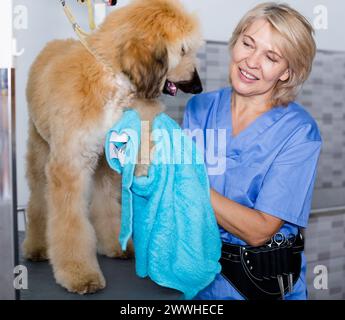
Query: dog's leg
(35, 244)
(106, 212)
(71, 237)
(148, 109)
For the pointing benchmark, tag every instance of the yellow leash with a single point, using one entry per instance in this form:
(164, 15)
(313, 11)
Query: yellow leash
(83, 34)
(91, 15)
(89, 4)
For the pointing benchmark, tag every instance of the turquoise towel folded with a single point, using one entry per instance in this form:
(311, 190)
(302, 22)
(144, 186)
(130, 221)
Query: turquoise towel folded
(168, 213)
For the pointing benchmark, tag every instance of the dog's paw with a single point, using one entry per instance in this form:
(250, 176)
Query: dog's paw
(141, 170)
(34, 253)
(78, 279)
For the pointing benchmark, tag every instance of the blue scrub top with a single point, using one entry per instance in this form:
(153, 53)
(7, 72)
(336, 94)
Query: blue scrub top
(270, 166)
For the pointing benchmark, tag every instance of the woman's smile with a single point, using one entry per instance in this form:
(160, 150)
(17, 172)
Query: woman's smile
(246, 76)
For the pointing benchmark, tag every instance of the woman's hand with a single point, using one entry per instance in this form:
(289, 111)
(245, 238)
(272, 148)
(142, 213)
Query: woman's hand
(252, 226)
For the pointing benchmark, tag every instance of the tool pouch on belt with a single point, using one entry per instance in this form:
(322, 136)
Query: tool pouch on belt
(263, 273)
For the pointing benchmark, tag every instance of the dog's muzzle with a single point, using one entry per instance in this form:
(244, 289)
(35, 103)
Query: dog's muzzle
(193, 86)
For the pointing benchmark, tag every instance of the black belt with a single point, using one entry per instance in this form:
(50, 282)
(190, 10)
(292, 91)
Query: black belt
(267, 272)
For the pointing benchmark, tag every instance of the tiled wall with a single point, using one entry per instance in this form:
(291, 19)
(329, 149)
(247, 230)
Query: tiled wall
(325, 246)
(323, 95)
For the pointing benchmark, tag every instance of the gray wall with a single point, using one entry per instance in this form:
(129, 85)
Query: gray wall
(325, 246)
(324, 97)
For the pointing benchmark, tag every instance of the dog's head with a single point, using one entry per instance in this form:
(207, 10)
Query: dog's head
(156, 43)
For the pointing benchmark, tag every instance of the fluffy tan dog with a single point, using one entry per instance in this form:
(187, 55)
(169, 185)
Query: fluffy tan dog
(74, 99)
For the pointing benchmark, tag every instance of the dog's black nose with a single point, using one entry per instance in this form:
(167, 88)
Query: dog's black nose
(193, 86)
(197, 88)
(196, 83)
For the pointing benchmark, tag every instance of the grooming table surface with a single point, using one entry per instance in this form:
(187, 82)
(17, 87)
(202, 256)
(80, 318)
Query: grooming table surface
(122, 283)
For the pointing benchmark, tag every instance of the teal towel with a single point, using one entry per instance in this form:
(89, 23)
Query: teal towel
(168, 213)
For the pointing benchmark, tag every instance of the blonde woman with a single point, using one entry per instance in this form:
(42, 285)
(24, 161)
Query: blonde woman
(262, 199)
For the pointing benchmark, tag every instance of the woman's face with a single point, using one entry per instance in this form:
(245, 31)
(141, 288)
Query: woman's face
(257, 64)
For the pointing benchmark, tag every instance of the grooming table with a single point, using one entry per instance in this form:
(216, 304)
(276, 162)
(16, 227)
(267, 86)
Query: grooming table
(122, 283)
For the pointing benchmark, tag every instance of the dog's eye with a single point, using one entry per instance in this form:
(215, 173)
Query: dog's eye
(183, 51)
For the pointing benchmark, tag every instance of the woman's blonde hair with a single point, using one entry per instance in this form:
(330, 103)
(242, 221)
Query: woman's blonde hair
(298, 44)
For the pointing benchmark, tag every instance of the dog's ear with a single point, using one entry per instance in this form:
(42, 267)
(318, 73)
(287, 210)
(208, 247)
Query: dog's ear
(145, 65)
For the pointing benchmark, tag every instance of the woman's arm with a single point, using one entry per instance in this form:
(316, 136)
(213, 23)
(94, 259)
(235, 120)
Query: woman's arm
(252, 226)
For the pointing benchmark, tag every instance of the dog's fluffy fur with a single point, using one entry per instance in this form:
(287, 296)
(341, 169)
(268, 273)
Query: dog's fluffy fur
(74, 206)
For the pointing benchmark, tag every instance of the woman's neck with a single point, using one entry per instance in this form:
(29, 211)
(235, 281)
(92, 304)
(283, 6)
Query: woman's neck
(244, 110)
(250, 105)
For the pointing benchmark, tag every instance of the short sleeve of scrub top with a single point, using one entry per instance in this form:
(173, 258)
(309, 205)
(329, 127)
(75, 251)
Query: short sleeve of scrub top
(270, 166)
